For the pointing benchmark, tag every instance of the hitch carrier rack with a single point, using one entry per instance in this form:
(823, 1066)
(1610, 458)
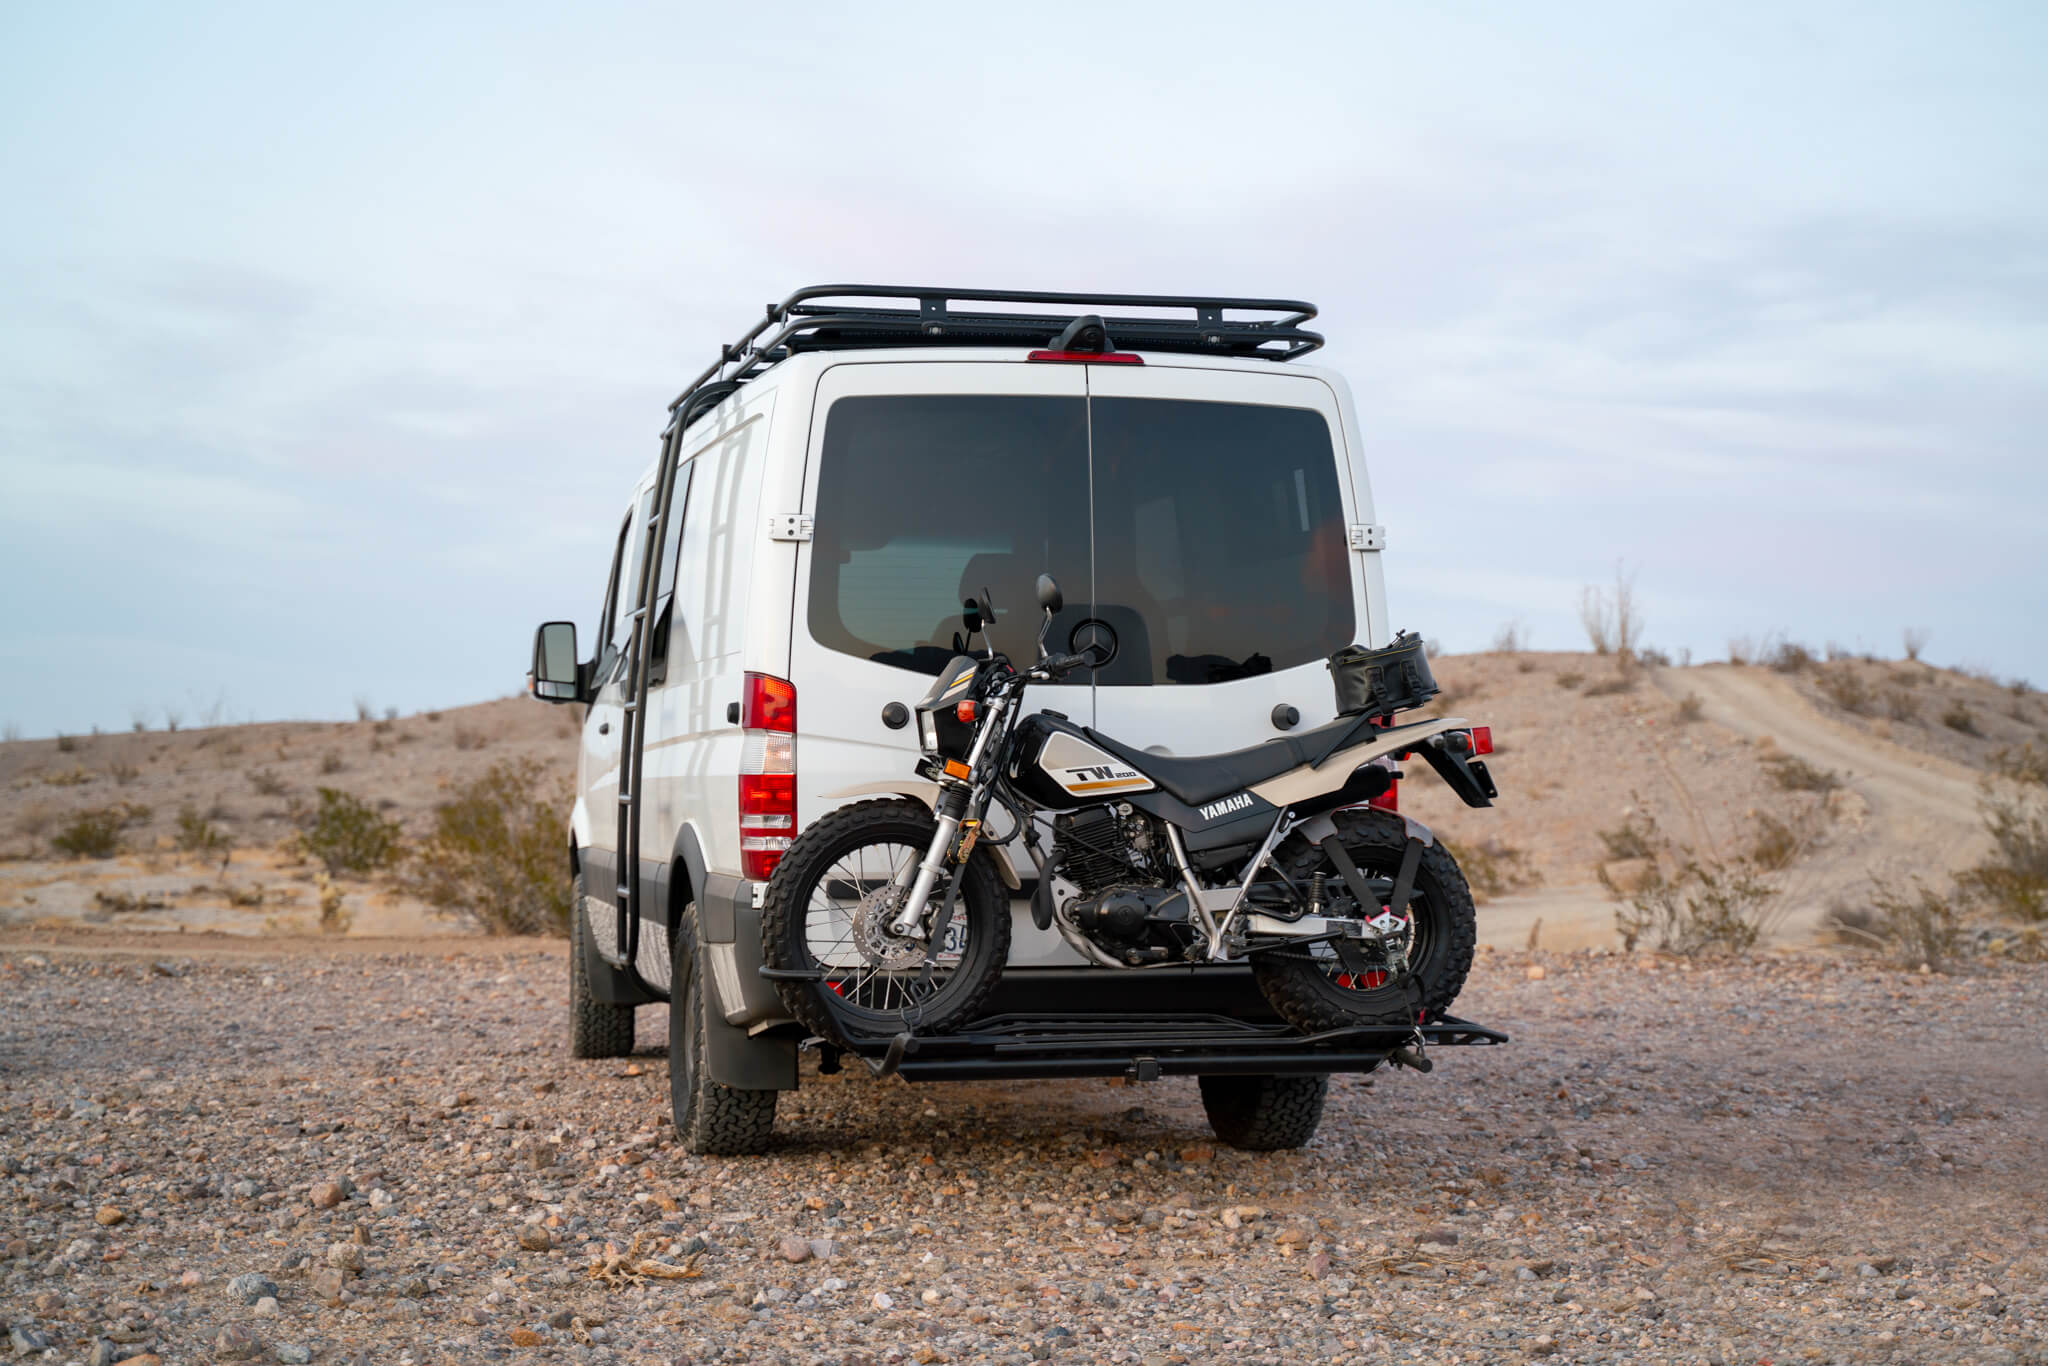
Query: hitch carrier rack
(1142, 1047)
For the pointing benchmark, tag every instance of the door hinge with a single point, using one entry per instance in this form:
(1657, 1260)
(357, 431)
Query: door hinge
(1368, 536)
(789, 526)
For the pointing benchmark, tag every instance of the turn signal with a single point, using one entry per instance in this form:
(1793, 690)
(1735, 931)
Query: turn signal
(767, 785)
(965, 711)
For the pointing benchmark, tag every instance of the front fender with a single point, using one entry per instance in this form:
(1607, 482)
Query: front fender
(928, 793)
(579, 823)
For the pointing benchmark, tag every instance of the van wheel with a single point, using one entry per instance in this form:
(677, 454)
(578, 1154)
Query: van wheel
(1313, 991)
(711, 1118)
(597, 1029)
(827, 909)
(1264, 1114)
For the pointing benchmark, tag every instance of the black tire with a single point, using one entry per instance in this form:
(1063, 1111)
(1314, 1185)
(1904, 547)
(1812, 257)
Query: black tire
(859, 999)
(1264, 1114)
(1309, 989)
(711, 1118)
(597, 1029)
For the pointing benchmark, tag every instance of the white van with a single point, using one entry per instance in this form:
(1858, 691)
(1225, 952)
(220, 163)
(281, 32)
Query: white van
(826, 497)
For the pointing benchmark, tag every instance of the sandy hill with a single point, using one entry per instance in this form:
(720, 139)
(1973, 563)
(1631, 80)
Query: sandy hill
(1582, 754)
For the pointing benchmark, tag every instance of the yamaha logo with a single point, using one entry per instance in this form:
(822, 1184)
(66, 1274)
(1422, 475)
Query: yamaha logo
(1241, 802)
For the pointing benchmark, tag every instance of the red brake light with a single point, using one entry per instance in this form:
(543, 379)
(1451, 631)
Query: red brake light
(1090, 357)
(1390, 800)
(1482, 739)
(769, 704)
(767, 785)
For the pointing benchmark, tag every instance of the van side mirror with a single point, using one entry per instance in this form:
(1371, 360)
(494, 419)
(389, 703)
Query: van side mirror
(555, 672)
(1049, 596)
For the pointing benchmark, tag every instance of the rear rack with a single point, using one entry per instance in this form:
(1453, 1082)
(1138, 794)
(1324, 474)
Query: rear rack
(845, 318)
(1142, 1047)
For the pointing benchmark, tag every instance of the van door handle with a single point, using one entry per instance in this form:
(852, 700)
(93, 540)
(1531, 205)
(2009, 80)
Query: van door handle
(604, 728)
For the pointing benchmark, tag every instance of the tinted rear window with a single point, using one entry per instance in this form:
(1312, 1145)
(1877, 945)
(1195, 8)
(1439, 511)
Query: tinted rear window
(1220, 548)
(1219, 539)
(924, 500)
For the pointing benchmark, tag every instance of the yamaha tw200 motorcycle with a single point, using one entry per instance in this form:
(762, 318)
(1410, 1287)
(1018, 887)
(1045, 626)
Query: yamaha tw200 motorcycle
(885, 915)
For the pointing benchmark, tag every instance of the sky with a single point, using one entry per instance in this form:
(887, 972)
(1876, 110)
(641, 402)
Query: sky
(332, 339)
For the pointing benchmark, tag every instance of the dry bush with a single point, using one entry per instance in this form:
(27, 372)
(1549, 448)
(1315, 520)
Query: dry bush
(1900, 704)
(2014, 881)
(267, 783)
(1846, 689)
(347, 836)
(1741, 650)
(1704, 907)
(1508, 639)
(330, 762)
(364, 710)
(1794, 774)
(1608, 687)
(1690, 709)
(433, 716)
(1790, 657)
(1656, 659)
(198, 835)
(1916, 638)
(1960, 718)
(1783, 839)
(2023, 765)
(1613, 619)
(92, 834)
(1525, 666)
(123, 772)
(497, 852)
(1909, 926)
(466, 739)
(66, 743)
(1570, 680)
(1636, 837)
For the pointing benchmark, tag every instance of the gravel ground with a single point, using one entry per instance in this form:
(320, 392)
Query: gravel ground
(290, 1153)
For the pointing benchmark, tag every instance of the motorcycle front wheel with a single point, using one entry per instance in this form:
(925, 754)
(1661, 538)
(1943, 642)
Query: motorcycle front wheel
(1313, 990)
(826, 914)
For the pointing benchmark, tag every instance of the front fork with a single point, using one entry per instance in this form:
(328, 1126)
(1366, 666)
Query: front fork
(951, 809)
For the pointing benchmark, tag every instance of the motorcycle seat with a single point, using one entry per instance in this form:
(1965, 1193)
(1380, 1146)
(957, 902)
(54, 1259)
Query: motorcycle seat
(1198, 778)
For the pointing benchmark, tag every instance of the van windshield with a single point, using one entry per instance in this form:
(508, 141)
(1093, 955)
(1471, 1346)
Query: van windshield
(1217, 553)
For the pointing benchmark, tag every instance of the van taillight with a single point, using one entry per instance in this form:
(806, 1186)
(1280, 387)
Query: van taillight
(1090, 357)
(1390, 800)
(767, 774)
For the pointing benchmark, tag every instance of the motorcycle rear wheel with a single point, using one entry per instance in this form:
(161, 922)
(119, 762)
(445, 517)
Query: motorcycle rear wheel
(1313, 991)
(823, 911)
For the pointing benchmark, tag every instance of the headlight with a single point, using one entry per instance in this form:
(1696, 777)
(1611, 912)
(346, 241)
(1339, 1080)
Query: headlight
(928, 732)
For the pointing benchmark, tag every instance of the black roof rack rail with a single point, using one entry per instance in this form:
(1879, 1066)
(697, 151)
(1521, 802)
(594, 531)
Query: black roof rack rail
(846, 318)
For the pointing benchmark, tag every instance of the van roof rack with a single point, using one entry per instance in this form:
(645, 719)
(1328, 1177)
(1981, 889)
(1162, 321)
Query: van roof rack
(850, 318)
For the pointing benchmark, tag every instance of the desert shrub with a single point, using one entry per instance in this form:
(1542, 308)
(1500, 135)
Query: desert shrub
(466, 739)
(1900, 704)
(1783, 838)
(1613, 620)
(1790, 657)
(123, 772)
(1525, 666)
(1794, 774)
(1493, 868)
(198, 835)
(347, 835)
(1959, 718)
(331, 763)
(2014, 880)
(1508, 640)
(92, 834)
(1909, 925)
(1570, 680)
(1705, 907)
(1636, 837)
(496, 853)
(1690, 709)
(1608, 687)
(267, 783)
(1654, 658)
(1915, 638)
(2023, 765)
(433, 716)
(364, 710)
(66, 743)
(1846, 689)
(1741, 650)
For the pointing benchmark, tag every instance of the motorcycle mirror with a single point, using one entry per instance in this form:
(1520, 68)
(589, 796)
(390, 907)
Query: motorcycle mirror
(1049, 594)
(971, 616)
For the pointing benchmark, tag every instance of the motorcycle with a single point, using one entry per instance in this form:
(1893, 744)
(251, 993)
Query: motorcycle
(887, 916)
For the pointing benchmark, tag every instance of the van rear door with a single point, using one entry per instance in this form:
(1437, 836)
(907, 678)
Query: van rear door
(1223, 573)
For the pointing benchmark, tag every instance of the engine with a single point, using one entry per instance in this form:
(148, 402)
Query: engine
(1125, 910)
